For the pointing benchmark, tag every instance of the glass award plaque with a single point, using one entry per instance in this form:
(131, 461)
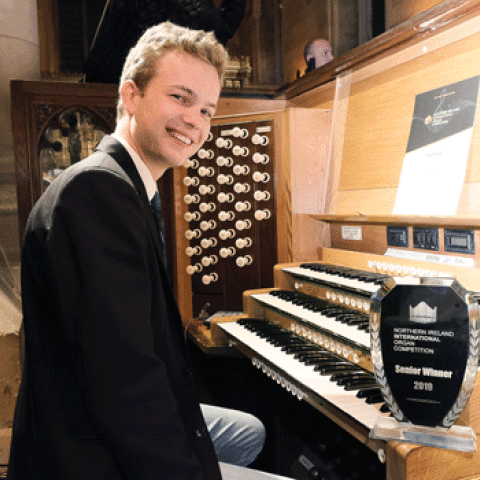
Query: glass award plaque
(424, 336)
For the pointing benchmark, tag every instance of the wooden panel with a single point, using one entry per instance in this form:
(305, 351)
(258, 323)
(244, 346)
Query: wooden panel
(247, 106)
(374, 240)
(302, 22)
(309, 138)
(47, 13)
(398, 11)
(374, 148)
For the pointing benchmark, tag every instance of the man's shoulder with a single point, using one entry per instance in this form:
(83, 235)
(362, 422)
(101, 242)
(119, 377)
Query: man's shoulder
(98, 169)
(99, 162)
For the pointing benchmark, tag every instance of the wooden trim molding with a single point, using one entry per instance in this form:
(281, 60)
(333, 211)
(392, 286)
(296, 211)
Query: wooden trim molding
(446, 222)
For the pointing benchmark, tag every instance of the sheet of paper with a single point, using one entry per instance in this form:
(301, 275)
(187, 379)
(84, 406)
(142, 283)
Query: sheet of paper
(435, 164)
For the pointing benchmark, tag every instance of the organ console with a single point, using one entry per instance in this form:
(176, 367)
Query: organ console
(309, 334)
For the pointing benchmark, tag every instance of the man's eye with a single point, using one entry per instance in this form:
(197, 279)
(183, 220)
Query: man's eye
(207, 113)
(179, 97)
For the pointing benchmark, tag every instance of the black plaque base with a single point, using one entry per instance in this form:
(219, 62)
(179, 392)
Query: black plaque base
(456, 437)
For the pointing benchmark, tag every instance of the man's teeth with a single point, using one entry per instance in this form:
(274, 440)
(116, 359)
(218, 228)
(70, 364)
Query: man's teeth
(182, 138)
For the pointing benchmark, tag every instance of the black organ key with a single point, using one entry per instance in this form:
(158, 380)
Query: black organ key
(313, 354)
(364, 276)
(341, 375)
(329, 369)
(295, 348)
(354, 375)
(364, 393)
(336, 312)
(358, 385)
(374, 398)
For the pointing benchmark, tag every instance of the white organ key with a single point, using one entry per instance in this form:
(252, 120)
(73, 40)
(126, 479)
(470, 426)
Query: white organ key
(344, 400)
(348, 332)
(332, 278)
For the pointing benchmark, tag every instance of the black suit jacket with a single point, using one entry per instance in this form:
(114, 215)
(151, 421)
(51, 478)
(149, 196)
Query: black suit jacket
(107, 391)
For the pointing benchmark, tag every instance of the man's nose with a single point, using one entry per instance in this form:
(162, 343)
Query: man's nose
(192, 117)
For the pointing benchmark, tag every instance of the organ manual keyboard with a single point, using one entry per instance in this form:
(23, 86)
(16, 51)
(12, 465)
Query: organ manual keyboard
(310, 334)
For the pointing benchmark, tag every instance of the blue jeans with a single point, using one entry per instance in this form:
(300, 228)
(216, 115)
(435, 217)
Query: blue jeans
(237, 437)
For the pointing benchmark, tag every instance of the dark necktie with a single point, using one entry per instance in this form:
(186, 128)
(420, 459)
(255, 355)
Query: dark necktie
(156, 204)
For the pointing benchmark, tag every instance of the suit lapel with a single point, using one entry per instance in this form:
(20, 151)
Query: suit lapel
(116, 150)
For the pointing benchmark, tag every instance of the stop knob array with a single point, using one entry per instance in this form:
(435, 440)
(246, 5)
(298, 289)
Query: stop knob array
(230, 193)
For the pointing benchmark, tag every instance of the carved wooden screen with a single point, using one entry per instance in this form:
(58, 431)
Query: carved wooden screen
(55, 124)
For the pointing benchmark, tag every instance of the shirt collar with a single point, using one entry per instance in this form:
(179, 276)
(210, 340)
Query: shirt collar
(143, 171)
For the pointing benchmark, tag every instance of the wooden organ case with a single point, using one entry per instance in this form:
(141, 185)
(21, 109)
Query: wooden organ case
(372, 107)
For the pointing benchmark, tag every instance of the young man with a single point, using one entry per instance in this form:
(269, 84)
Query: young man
(107, 391)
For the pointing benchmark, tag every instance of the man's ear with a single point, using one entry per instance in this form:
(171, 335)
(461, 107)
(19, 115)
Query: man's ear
(129, 93)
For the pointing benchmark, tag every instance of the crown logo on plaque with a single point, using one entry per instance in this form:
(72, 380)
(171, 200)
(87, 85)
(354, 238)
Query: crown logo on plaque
(423, 313)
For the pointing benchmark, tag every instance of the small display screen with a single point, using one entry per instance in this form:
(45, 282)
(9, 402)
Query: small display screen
(460, 241)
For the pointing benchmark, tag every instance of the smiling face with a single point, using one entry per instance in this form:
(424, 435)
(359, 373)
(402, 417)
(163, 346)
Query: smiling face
(170, 121)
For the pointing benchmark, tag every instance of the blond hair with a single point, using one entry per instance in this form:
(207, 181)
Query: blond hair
(141, 60)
